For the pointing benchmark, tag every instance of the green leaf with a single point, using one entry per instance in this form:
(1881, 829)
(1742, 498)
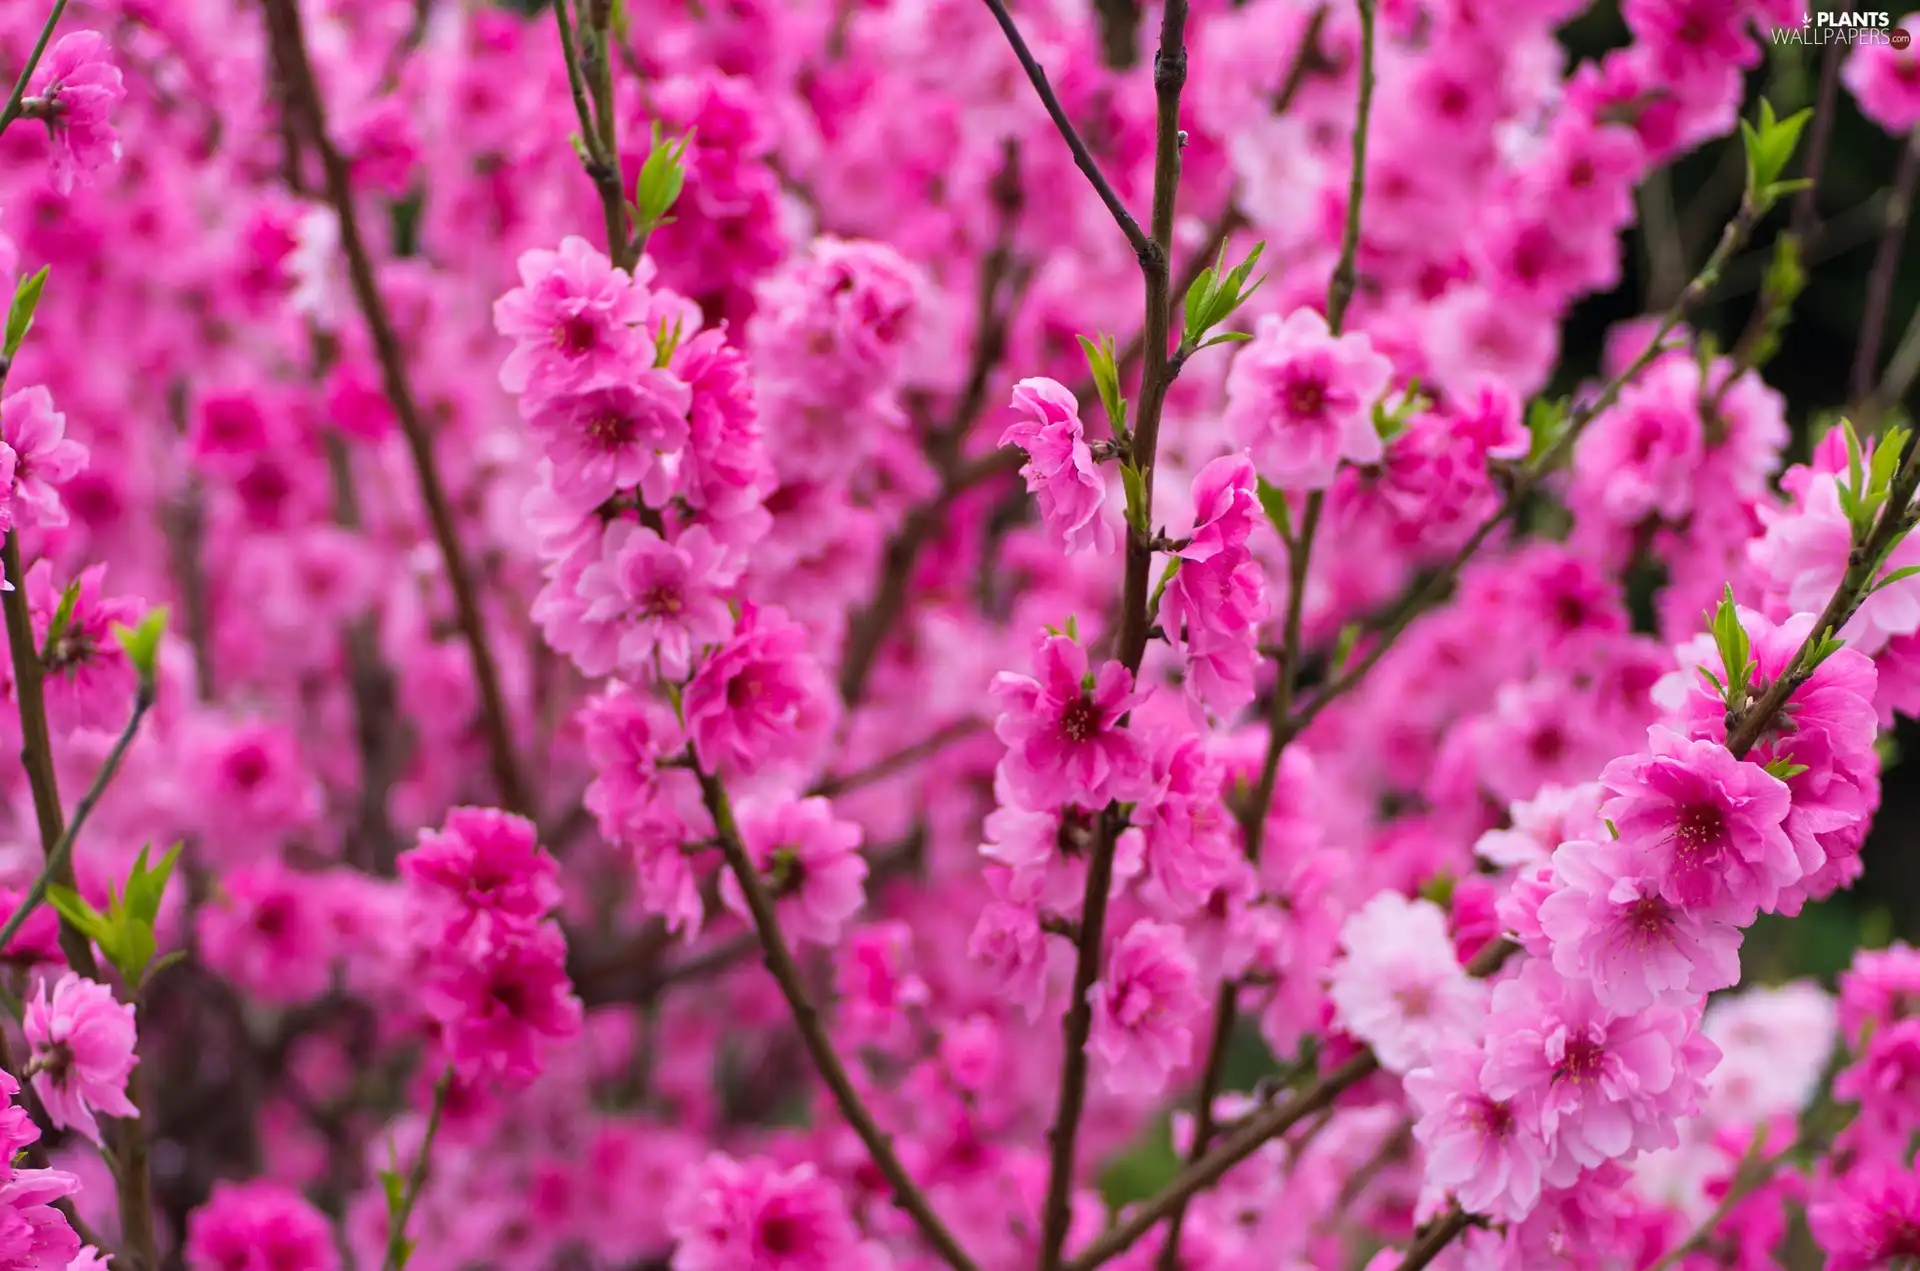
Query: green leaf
(666, 341)
(79, 915)
(1785, 768)
(1546, 419)
(1227, 337)
(1905, 571)
(1274, 503)
(1736, 650)
(661, 179)
(1215, 294)
(147, 887)
(1769, 146)
(1439, 889)
(1344, 645)
(62, 617)
(26, 299)
(1101, 362)
(142, 643)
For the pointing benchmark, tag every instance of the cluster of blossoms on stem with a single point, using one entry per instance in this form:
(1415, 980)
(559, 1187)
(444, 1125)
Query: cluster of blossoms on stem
(680, 717)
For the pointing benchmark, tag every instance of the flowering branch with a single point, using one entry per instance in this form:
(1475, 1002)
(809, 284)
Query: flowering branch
(786, 972)
(1169, 79)
(1435, 1237)
(16, 100)
(1340, 289)
(590, 71)
(290, 51)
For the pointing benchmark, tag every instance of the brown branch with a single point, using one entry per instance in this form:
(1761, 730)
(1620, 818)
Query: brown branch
(289, 48)
(1805, 205)
(1119, 22)
(786, 972)
(1143, 247)
(1436, 1237)
(1886, 264)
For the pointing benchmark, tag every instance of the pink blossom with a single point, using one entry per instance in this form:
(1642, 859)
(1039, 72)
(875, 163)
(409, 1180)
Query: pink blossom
(499, 1003)
(1711, 825)
(1302, 399)
(1062, 729)
(809, 862)
(258, 1226)
(77, 88)
(1609, 923)
(609, 437)
(751, 1215)
(481, 872)
(1144, 1007)
(652, 605)
(1488, 1152)
(1060, 471)
(81, 1041)
(34, 1236)
(44, 457)
(759, 697)
(1802, 557)
(1008, 941)
(1885, 81)
(267, 931)
(1398, 987)
(571, 320)
(89, 681)
(1606, 1086)
(1869, 1218)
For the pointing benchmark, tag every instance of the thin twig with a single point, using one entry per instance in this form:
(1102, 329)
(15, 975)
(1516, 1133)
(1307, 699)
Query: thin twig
(901, 759)
(1806, 205)
(786, 973)
(1143, 247)
(398, 1246)
(16, 100)
(283, 20)
(1436, 1237)
(1886, 264)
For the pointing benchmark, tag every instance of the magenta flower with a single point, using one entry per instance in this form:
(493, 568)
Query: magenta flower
(44, 459)
(81, 1040)
(267, 931)
(1144, 1008)
(651, 605)
(1711, 825)
(484, 871)
(1607, 1086)
(613, 436)
(1609, 923)
(1868, 1219)
(754, 1216)
(1301, 399)
(809, 861)
(1488, 1152)
(1010, 944)
(1399, 988)
(1060, 471)
(34, 1236)
(759, 698)
(497, 1004)
(75, 90)
(571, 320)
(1062, 729)
(1226, 507)
(260, 1225)
(89, 681)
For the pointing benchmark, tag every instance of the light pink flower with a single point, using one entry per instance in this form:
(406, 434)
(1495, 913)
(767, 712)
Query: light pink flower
(1711, 825)
(608, 437)
(1060, 471)
(1885, 81)
(81, 1040)
(571, 320)
(44, 458)
(1302, 400)
(809, 862)
(1398, 988)
(34, 1236)
(1609, 924)
(1488, 1152)
(651, 605)
(1607, 1086)
(1144, 1006)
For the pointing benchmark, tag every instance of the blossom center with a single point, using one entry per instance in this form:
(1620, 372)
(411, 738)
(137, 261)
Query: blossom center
(1306, 397)
(663, 600)
(1081, 719)
(779, 1235)
(610, 431)
(1415, 999)
(1698, 830)
(575, 335)
(1490, 1119)
(1647, 919)
(1581, 1062)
